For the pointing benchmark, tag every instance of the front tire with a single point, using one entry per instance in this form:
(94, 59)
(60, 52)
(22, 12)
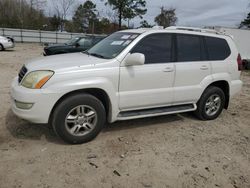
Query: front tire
(1, 47)
(79, 119)
(211, 103)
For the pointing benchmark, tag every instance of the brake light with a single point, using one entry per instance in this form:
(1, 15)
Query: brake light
(240, 64)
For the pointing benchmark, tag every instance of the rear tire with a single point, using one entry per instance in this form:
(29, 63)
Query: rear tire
(79, 119)
(211, 103)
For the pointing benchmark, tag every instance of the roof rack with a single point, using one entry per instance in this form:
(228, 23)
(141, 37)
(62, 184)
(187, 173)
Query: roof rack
(195, 30)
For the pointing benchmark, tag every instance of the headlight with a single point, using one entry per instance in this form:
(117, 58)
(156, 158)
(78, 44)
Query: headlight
(36, 79)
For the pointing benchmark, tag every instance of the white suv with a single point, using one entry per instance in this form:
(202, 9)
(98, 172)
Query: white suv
(130, 74)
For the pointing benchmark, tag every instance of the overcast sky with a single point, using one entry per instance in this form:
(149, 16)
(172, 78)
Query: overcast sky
(195, 12)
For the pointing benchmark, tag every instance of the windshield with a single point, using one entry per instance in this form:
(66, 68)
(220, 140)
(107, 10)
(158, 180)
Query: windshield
(72, 41)
(113, 45)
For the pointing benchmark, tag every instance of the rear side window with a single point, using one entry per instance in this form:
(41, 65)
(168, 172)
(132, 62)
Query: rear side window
(189, 48)
(218, 48)
(96, 40)
(156, 48)
(85, 42)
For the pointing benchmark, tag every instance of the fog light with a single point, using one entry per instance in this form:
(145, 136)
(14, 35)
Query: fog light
(23, 105)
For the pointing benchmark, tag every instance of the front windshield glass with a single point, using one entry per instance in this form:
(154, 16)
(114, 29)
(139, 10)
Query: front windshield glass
(72, 41)
(113, 45)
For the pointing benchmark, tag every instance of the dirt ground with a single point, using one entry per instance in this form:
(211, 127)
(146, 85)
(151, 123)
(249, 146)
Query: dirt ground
(162, 152)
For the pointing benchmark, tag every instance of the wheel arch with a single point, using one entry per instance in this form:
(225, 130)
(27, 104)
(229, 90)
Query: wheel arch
(96, 92)
(224, 86)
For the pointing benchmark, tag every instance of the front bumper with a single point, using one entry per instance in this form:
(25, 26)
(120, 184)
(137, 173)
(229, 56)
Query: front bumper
(43, 102)
(9, 45)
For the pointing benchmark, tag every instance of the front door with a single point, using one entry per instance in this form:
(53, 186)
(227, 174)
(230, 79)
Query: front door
(149, 85)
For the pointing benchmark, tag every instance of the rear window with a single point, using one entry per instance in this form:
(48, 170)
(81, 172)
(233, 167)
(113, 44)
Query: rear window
(189, 48)
(218, 48)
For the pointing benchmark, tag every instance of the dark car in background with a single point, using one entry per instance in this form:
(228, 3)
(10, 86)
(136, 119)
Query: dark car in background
(76, 44)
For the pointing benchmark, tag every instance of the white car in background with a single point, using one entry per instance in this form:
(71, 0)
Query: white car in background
(6, 42)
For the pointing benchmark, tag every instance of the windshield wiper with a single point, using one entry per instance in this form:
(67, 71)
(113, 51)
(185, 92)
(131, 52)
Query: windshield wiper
(86, 52)
(97, 55)
(94, 54)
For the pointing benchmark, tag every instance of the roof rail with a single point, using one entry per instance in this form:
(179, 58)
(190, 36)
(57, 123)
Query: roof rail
(158, 27)
(195, 29)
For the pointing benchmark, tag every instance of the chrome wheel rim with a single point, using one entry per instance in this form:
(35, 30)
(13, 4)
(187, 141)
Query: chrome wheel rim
(213, 105)
(81, 120)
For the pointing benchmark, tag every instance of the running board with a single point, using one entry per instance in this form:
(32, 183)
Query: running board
(136, 114)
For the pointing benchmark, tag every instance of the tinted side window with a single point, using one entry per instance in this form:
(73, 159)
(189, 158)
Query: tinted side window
(156, 48)
(189, 48)
(85, 42)
(218, 49)
(96, 40)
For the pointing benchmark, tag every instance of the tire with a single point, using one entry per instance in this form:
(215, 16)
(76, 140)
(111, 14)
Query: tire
(59, 53)
(248, 65)
(79, 118)
(211, 104)
(1, 47)
(245, 64)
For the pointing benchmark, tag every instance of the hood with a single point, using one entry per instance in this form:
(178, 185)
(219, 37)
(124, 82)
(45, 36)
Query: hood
(64, 61)
(55, 46)
(1, 37)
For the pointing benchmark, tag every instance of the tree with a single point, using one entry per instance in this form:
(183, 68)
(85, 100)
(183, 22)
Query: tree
(166, 18)
(102, 26)
(22, 14)
(145, 24)
(128, 9)
(62, 9)
(85, 16)
(246, 22)
(54, 23)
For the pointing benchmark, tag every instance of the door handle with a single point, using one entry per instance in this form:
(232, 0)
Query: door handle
(168, 69)
(204, 67)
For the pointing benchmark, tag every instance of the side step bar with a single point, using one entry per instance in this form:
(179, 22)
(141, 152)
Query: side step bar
(136, 114)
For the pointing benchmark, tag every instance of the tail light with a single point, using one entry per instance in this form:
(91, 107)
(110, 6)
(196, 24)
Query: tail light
(240, 64)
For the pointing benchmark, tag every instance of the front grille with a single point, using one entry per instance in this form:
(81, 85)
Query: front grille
(22, 73)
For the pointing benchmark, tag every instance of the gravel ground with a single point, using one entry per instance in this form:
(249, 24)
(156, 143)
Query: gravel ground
(161, 152)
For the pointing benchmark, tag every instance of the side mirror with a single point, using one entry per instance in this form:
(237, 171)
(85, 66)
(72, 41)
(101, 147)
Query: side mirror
(135, 59)
(77, 45)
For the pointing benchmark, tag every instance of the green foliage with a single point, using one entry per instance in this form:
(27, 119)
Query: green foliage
(246, 22)
(85, 16)
(166, 18)
(128, 9)
(54, 23)
(28, 14)
(21, 14)
(145, 24)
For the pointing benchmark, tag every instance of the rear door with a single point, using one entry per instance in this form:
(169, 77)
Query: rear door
(192, 67)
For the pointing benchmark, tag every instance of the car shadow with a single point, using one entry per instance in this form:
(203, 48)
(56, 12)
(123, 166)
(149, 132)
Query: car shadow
(8, 50)
(21, 129)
